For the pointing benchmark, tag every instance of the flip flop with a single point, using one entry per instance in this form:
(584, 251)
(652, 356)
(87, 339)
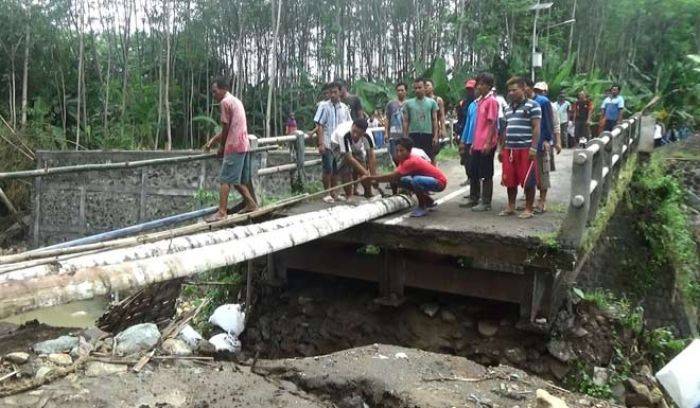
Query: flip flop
(213, 218)
(506, 213)
(525, 215)
(419, 212)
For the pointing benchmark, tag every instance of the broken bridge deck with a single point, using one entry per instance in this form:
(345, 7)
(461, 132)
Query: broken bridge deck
(454, 249)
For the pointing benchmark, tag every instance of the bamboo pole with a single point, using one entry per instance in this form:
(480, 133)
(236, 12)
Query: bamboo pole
(157, 248)
(55, 254)
(85, 283)
(112, 166)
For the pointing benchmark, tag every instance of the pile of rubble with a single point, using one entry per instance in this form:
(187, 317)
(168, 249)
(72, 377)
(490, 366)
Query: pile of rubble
(98, 352)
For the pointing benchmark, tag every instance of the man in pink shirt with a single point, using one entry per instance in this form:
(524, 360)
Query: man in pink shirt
(235, 168)
(484, 142)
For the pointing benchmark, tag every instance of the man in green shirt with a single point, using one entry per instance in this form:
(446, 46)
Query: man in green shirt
(420, 122)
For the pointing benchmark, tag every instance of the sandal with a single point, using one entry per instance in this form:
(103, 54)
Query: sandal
(525, 215)
(506, 212)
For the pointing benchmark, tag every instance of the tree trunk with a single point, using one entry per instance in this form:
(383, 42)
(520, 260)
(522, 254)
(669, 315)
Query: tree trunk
(81, 48)
(29, 293)
(25, 77)
(166, 96)
(273, 66)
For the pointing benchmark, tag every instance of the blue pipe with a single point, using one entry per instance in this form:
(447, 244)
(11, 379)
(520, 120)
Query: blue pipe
(134, 229)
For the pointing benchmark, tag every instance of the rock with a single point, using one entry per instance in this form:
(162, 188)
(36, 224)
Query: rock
(547, 400)
(561, 350)
(60, 359)
(430, 309)
(538, 367)
(43, 371)
(63, 344)
(176, 347)
(137, 338)
(638, 395)
(17, 357)
(190, 336)
(516, 355)
(303, 300)
(558, 369)
(448, 316)
(618, 392)
(579, 331)
(92, 335)
(600, 376)
(487, 328)
(468, 322)
(205, 348)
(98, 368)
(83, 348)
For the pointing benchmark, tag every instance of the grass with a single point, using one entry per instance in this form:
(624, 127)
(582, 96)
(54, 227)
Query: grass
(448, 153)
(658, 197)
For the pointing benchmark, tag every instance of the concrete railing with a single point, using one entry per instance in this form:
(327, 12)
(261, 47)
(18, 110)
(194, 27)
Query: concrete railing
(596, 170)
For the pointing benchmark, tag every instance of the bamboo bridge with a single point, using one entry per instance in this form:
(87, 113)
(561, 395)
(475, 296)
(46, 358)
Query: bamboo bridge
(528, 262)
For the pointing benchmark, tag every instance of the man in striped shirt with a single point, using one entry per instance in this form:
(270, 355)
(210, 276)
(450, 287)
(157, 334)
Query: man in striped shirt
(519, 149)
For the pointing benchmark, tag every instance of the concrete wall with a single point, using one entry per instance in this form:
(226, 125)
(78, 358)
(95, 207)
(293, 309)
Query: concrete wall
(70, 206)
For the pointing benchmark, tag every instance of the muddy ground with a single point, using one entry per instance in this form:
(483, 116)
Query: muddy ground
(319, 315)
(371, 376)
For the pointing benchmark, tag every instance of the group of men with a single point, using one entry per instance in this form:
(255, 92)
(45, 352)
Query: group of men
(523, 133)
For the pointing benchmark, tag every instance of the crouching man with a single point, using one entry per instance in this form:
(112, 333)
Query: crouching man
(353, 153)
(415, 174)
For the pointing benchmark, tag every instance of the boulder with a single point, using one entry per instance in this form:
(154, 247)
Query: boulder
(558, 369)
(42, 372)
(60, 359)
(600, 376)
(83, 348)
(137, 338)
(487, 328)
(448, 316)
(204, 347)
(176, 347)
(430, 309)
(516, 355)
(638, 394)
(63, 344)
(98, 368)
(17, 357)
(561, 350)
(547, 400)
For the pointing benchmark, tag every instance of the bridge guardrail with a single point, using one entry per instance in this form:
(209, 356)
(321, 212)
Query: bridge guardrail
(595, 170)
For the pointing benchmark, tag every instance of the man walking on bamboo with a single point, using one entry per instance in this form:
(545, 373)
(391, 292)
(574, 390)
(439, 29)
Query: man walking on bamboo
(234, 146)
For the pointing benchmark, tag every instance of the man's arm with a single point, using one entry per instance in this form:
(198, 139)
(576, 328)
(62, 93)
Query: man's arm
(405, 120)
(321, 141)
(441, 115)
(386, 178)
(434, 121)
(621, 106)
(349, 159)
(372, 162)
(535, 136)
(387, 125)
(217, 139)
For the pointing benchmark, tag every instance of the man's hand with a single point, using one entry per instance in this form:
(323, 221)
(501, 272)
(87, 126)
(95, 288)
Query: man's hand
(321, 149)
(461, 148)
(557, 147)
(532, 153)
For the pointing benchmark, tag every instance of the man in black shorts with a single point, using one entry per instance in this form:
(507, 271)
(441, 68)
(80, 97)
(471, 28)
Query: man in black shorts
(420, 122)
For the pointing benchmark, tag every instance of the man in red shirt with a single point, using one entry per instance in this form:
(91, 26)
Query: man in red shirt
(414, 174)
(484, 142)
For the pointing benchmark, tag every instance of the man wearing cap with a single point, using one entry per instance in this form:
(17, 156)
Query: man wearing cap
(549, 139)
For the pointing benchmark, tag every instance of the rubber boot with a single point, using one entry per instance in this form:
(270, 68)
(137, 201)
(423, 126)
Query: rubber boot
(486, 194)
(474, 192)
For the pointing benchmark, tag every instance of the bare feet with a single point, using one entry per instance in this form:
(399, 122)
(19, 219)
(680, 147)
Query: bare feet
(248, 209)
(217, 216)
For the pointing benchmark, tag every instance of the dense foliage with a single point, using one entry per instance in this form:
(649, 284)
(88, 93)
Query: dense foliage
(135, 73)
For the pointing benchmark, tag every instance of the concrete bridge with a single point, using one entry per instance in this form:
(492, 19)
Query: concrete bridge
(454, 250)
(530, 262)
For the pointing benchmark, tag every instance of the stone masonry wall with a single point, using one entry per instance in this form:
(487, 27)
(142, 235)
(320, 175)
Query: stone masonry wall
(70, 206)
